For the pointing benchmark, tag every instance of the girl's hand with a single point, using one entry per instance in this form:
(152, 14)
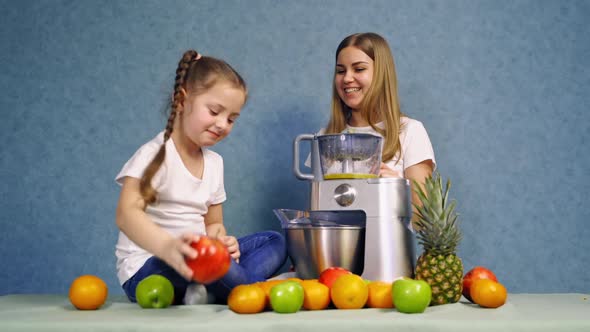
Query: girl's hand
(175, 250)
(386, 172)
(232, 246)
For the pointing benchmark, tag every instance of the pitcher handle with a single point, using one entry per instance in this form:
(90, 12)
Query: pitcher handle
(300, 175)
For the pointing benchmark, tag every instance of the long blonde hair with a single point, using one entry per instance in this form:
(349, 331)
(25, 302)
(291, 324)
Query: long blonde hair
(380, 102)
(195, 74)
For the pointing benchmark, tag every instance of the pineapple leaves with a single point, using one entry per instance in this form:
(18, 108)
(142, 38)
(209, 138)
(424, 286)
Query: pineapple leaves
(438, 230)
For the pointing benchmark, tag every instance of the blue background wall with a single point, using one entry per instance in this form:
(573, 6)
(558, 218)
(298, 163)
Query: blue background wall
(501, 86)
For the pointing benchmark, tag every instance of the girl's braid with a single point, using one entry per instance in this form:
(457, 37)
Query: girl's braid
(178, 96)
(149, 194)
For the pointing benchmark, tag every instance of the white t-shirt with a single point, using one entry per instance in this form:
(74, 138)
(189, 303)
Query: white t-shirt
(183, 199)
(414, 140)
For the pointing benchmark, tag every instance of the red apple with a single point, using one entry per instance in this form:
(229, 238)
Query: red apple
(212, 262)
(478, 272)
(329, 275)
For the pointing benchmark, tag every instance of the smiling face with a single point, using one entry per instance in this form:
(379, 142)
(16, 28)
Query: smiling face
(209, 117)
(354, 73)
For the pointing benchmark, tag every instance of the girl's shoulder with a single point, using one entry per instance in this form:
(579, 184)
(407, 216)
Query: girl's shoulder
(136, 165)
(407, 121)
(409, 124)
(151, 147)
(155, 142)
(321, 131)
(212, 156)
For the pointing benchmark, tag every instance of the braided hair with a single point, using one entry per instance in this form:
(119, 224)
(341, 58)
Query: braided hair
(194, 74)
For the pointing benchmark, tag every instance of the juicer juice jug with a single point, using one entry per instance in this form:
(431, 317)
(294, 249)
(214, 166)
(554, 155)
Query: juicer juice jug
(341, 156)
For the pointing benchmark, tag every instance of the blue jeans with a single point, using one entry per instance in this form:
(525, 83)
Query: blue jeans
(261, 256)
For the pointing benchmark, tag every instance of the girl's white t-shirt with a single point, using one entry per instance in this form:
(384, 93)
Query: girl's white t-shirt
(414, 140)
(183, 199)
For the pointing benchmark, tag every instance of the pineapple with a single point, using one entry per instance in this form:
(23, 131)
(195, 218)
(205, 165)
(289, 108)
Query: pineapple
(438, 233)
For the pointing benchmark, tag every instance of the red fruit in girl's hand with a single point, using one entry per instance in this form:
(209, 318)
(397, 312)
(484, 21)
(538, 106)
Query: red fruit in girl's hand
(478, 272)
(329, 275)
(212, 262)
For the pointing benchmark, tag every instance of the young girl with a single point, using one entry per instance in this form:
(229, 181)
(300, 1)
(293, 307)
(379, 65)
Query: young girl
(365, 100)
(172, 190)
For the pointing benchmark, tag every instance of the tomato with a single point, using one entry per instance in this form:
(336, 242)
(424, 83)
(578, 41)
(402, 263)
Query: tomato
(488, 293)
(212, 262)
(478, 272)
(329, 275)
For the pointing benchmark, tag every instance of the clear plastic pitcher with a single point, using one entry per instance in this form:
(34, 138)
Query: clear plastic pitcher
(350, 156)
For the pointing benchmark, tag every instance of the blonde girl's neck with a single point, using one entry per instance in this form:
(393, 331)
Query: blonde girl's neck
(357, 120)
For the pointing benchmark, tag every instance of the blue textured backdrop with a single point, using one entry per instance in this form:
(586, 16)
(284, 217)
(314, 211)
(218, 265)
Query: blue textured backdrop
(501, 86)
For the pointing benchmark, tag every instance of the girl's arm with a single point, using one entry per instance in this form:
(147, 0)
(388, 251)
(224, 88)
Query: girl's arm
(139, 228)
(418, 173)
(214, 221)
(215, 229)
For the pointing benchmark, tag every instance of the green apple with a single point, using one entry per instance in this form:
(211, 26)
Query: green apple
(155, 291)
(286, 297)
(411, 296)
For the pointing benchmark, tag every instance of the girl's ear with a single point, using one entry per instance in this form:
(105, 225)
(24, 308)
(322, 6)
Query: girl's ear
(184, 95)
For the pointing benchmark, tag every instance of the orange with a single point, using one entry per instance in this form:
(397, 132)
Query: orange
(246, 299)
(88, 292)
(488, 293)
(380, 295)
(266, 286)
(299, 280)
(316, 296)
(349, 291)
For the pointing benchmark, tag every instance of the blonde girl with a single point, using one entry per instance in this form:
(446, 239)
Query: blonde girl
(365, 100)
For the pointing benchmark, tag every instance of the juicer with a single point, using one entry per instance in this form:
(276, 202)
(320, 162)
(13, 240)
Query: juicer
(345, 177)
